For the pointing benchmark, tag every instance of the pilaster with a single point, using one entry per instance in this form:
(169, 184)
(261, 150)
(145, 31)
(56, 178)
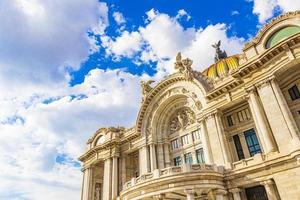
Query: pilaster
(261, 123)
(270, 189)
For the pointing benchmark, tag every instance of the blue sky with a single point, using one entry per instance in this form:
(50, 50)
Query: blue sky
(68, 68)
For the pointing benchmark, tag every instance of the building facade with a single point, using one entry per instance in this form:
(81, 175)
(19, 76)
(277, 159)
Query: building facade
(229, 132)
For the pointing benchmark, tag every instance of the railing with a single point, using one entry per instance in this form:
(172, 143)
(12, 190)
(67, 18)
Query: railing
(174, 170)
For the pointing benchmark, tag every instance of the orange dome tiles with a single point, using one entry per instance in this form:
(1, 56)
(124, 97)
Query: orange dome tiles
(222, 67)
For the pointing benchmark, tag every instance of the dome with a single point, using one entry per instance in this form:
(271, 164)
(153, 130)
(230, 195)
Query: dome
(222, 67)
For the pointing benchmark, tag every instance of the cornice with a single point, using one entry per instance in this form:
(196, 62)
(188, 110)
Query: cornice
(266, 27)
(251, 66)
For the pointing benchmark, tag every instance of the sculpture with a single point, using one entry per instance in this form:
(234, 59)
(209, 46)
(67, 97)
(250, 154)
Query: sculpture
(182, 119)
(146, 88)
(184, 66)
(219, 53)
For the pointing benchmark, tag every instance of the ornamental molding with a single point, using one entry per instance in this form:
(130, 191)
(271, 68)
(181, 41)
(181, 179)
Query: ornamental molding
(266, 27)
(171, 80)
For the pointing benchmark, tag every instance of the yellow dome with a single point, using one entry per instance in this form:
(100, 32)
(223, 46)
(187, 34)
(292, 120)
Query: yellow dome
(222, 67)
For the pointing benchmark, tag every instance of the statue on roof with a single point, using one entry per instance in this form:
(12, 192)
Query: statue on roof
(219, 53)
(146, 88)
(184, 66)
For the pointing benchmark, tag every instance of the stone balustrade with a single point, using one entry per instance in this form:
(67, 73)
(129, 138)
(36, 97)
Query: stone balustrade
(173, 170)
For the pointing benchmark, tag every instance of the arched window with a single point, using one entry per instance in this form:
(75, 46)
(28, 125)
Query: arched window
(281, 35)
(100, 140)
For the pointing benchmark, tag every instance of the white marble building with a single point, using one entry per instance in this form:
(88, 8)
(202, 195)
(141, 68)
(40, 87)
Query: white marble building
(230, 132)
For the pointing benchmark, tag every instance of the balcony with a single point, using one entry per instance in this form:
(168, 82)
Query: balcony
(173, 181)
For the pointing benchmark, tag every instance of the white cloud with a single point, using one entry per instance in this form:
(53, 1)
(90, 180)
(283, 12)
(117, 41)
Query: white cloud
(163, 36)
(127, 44)
(289, 5)
(182, 13)
(41, 40)
(119, 18)
(29, 148)
(265, 9)
(235, 12)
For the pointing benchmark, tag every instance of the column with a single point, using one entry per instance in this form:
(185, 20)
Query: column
(236, 193)
(86, 183)
(114, 189)
(206, 145)
(107, 179)
(222, 138)
(167, 155)
(160, 156)
(285, 110)
(261, 122)
(270, 189)
(219, 193)
(153, 157)
(123, 169)
(160, 197)
(144, 160)
(189, 194)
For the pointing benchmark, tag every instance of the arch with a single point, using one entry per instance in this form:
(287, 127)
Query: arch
(172, 89)
(281, 34)
(282, 21)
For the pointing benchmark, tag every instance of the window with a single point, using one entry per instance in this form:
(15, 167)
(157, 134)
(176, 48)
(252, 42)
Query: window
(252, 142)
(197, 135)
(200, 156)
(243, 115)
(257, 192)
(185, 139)
(188, 158)
(101, 140)
(238, 147)
(229, 120)
(175, 144)
(177, 161)
(294, 92)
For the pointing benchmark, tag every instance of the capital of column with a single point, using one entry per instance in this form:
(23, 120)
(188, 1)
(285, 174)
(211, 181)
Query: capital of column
(84, 168)
(220, 192)
(235, 190)
(250, 89)
(268, 182)
(189, 191)
(160, 196)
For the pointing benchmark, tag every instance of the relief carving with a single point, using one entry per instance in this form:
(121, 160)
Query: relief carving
(182, 119)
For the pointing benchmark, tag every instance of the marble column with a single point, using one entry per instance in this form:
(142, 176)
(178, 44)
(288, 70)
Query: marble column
(236, 193)
(270, 189)
(160, 156)
(286, 112)
(123, 169)
(220, 194)
(205, 142)
(86, 185)
(114, 189)
(153, 160)
(167, 155)
(261, 122)
(190, 194)
(107, 179)
(222, 138)
(144, 160)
